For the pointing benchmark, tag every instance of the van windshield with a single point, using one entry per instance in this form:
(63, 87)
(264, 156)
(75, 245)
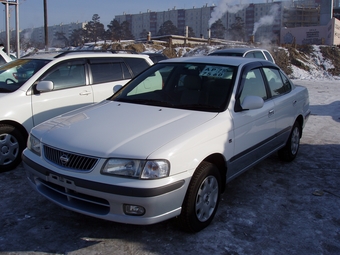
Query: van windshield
(15, 73)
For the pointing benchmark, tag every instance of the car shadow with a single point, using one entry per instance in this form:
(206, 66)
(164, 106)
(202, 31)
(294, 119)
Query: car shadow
(332, 110)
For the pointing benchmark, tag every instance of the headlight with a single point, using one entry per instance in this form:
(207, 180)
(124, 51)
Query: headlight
(143, 169)
(34, 145)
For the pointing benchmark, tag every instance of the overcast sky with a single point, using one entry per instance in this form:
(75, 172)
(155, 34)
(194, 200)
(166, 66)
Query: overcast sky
(31, 12)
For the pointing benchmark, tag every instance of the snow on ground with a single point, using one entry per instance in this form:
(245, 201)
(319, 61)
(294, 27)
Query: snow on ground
(314, 74)
(318, 68)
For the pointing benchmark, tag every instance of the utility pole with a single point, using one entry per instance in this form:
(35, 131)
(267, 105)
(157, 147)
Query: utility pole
(8, 3)
(45, 25)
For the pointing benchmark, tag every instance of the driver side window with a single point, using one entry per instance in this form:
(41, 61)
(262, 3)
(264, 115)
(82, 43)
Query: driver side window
(67, 75)
(254, 85)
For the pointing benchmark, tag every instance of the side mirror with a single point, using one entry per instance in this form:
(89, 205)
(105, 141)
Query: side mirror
(116, 88)
(45, 86)
(252, 103)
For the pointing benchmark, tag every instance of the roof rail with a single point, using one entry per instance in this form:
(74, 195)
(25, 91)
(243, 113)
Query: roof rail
(32, 53)
(64, 53)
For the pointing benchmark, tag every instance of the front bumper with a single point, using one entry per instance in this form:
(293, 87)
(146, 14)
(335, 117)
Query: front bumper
(106, 201)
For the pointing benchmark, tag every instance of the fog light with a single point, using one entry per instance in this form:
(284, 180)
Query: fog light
(134, 210)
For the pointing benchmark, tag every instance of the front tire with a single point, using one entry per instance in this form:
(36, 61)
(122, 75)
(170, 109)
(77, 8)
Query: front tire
(289, 152)
(12, 143)
(202, 198)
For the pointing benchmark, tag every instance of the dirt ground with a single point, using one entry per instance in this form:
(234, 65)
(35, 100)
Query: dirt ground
(274, 208)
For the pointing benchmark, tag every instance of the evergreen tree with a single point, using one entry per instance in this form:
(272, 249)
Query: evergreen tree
(94, 30)
(237, 30)
(217, 29)
(126, 33)
(76, 38)
(167, 28)
(113, 32)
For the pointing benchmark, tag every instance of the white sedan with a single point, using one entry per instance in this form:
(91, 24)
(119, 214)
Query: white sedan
(166, 144)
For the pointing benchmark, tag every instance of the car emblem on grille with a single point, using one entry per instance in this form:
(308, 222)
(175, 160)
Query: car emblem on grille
(64, 159)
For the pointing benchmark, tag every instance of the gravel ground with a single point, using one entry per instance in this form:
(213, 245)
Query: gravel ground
(274, 208)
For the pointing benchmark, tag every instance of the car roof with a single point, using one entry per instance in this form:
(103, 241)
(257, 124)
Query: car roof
(233, 61)
(236, 50)
(80, 54)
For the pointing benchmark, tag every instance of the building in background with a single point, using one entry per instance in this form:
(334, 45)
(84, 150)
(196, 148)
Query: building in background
(58, 34)
(311, 22)
(319, 35)
(272, 22)
(262, 22)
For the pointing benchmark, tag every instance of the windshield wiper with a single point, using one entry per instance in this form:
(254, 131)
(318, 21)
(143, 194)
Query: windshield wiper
(206, 107)
(5, 90)
(145, 101)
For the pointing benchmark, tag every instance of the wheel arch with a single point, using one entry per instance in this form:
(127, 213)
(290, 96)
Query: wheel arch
(300, 120)
(17, 125)
(219, 161)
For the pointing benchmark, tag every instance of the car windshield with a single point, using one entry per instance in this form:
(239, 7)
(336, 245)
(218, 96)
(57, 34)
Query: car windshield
(14, 74)
(191, 86)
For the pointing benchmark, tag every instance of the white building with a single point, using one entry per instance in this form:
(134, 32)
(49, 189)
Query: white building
(263, 21)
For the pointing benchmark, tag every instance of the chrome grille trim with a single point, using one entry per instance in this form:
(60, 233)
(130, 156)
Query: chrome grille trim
(69, 160)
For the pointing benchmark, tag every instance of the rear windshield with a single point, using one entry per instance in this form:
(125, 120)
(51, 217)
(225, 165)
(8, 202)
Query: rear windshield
(229, 54)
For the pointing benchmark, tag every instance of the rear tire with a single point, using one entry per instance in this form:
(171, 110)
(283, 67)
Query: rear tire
(289, 152)
(202, 198)
(12, 143)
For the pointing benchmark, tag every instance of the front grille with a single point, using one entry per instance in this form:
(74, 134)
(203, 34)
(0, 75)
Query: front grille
(72, 199)
(69, 160)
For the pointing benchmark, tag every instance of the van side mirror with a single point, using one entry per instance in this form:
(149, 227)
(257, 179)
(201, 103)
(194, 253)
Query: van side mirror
(45, 86)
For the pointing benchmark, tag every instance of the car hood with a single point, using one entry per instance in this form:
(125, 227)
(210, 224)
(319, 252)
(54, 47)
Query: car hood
(112, 129)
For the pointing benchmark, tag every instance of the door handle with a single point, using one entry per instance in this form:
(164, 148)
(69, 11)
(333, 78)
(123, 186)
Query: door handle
(271, 112)
(85, 93)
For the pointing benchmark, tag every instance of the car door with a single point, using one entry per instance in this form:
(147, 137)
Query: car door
(284, 104)
(253, 129)
(70, 91)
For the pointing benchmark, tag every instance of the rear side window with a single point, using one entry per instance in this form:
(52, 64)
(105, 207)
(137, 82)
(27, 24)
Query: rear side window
(259, 54)
(137, 65)
(108, 70)
(286, 82)
(269, 57)
(276, 84)
(249, 55)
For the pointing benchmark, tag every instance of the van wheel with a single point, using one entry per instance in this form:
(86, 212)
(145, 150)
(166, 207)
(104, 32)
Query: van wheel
(202, 198)
(12, 143)
(289, 152)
